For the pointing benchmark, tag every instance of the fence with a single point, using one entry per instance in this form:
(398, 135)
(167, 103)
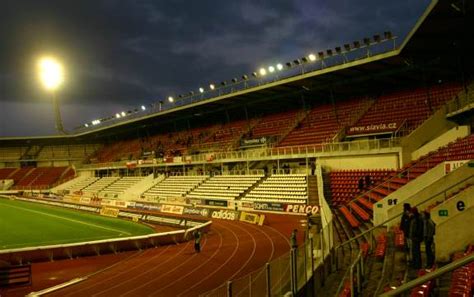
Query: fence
(287, 274)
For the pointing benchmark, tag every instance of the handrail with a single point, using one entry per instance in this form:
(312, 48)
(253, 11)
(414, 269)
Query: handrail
(398, 215)
(349, 272)
(429, 276)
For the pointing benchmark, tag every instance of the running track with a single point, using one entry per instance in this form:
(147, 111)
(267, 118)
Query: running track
(231, 250)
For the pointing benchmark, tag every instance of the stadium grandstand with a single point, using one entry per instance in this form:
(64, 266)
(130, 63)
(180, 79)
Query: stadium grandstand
(334, 148)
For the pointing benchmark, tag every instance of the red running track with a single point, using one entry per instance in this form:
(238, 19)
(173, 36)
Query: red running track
(229, 251)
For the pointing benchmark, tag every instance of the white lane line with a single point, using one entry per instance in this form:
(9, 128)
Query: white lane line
(70, 220)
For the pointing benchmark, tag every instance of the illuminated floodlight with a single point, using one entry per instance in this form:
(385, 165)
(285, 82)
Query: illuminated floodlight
(117, 115)
(86, 125)
(170, 99)
(123, 113)
(271, 69)
(50, 73)
(212, 86)
(143, 107)
(312, 57)
(201, 90)
(262, 71)
(279, 66)
(95, 122)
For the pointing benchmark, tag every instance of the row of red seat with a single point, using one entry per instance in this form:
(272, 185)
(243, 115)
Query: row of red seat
(40, 177)
(462, 279)
(424, 290)
(412, 106)
(381, 246)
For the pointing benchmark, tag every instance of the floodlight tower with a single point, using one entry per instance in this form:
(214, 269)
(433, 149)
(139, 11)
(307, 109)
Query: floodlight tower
(52, 76)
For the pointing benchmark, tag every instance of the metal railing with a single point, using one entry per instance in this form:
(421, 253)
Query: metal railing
(430, 276)
(266, 153)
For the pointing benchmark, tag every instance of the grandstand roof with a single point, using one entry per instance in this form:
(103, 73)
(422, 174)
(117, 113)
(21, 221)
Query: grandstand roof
(436, 50)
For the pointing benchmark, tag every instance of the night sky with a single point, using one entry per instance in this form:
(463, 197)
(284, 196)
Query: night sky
(119, 55)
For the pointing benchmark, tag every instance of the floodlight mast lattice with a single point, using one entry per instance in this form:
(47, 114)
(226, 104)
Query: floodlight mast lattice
(52, 76)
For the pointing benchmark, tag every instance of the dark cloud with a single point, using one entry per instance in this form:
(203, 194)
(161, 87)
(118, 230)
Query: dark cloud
(123, 53)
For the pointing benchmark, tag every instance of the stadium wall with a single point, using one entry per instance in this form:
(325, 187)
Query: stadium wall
(386, 161)
(430, 129)
(447, 241)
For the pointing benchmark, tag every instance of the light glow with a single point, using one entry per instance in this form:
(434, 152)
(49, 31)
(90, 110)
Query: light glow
(117, 115)
(279, 66)
(123, 113)
(312, 57)
(212, 86)
(262, 71)
(201, 90)
(50, 73)
(271, 69)
(143, 107)
(170, 99)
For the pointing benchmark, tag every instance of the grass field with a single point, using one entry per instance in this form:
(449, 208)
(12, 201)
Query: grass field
(24, 224)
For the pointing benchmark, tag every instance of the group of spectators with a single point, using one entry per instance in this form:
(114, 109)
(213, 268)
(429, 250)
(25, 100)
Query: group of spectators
(418, 228)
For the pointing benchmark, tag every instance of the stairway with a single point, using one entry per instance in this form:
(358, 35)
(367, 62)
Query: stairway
(313, 197)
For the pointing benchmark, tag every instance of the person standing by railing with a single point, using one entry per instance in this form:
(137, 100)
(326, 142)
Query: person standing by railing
(405, 227)
(416, 236)
(429, 228)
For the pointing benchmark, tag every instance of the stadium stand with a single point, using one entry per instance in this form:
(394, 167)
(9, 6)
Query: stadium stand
(40, 177)
(100, 184)
(120, 186)
(80, 183)
(408, 108)
(323, 123)
(462, 279)
(67, 152)
(6, 172)
(11, 153)
(280, 188)
(226, 137)
(462, 149)
(344, 184)
(227, 187)
(276, 125)
(174, 187)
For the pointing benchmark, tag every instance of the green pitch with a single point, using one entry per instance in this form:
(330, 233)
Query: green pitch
(25, 224)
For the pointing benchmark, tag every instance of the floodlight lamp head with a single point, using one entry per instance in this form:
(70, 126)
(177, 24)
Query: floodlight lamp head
(387, 35)
(50, 73)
